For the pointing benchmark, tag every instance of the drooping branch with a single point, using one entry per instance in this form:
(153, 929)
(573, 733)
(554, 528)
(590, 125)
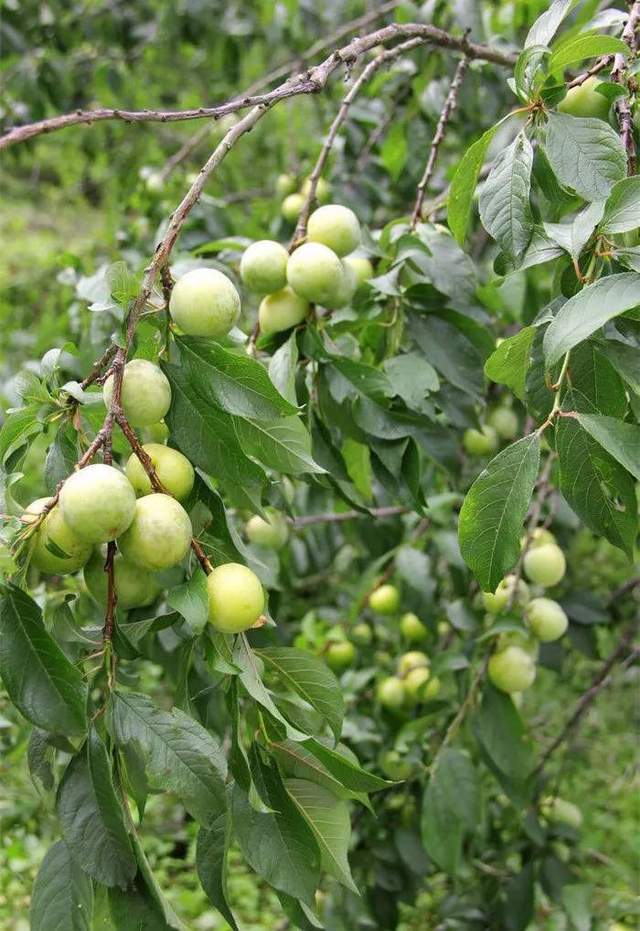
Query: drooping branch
(448, 108)
(309, 82)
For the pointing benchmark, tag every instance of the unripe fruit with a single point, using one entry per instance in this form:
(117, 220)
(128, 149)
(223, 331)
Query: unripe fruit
(584, 100)
(559, 810)
(323, 190)
(98, 503)
(146, 392)
(156, 433)
(546, 619)
(273, 532)
(539, 537)
(414, 684)
(443, 628)
(414, 659)
(339, 654)
(281, 310)
(135, 587)
(480, 442)
(431, 689)
(285, 184)
(291, 207)
(390, 693)
(362, 634)
(385, 600)
(263, 267)
(545, 565)
(512, 670)
(173, 469)
(160, 533)
(393, 766)
(315, 272)
(412, 628)
(54, 535)
(362, 267)
(522, 639)
(336, 227)
(345, 289)
(236, 598)
(504, 421)
(204, 302)
(497, 601)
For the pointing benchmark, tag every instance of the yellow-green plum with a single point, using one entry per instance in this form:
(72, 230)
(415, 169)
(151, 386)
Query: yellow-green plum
(263, 266)
(272, 532)
(156, 433)
(291, 207)
(281, 310)
(135, 587)
(431, 689)
(561, 811)
(390, 693)
(334, 226)
(323, 190)
(361, 266)
(339, 654)
(285, 184)
(496, 602)
(385, 599)
(346, 288)
(539, 537)
(146, 392)
(394, 766)
(412, 628)
(482, 442)
(546, 619)
(204, 302)
(362, 634)
(174, 471)
(160, 533)
(54, 538)
(545, 565)
(444, 627)
(584, 100)
(236, 598)
(98, 503)
(315, 272)
(414, 659)
(504, 421)
(512, 670)
(415, 683)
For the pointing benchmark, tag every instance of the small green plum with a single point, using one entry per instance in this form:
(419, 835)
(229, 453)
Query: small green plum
(539, 537)
(585, 101)
(263, 267)
(412, 628)
(346, 288)
(281, 310)
(146, 392)
(385, 599)
(431, 689)
(545, 565)
(394, 767)
(504, 421)
(334, 226)
(496, 602)
(236, 598)
(559, 810)
(362, 634)
(135, 587)
(414, 659)
(482, 442)
(160, 534)
(361, 266)
(285, 184)
(339, 655)
(315, 272)
(54, 538)
(291, 207)
(546, 619)
(272, 532)
(155, 433)
(415, 683)
(174, 471)
(512, 670)
(204, 302)
(323, 190)
(443, 628)
(98, 503)
(391, 694)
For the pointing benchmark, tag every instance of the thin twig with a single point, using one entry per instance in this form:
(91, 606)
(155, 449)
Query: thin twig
(447, 110)
(98, 367)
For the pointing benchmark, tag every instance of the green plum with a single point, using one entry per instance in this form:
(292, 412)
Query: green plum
(412, 628)
(160, 534)
(236, 598)
(390, 693)
(291, 207)
(334, 226)
(545, 565)
(496, 602)
(57, 550)
(281, 310)
(174, 471)
(546, 619)
(482, 442)
(204, 302)
(385, 600)
(339, 654)
(512, 669)
(98, 503)
(361, 266)
(135, 587)
(146, 392)
(315, 273)
(585, 101)
(272, 532)
(263, 267)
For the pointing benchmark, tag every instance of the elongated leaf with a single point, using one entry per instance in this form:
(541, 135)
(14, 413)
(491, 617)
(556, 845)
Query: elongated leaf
(282, 368)
(626, 361)
(451, 806)
(61, 457)
(505, 210)
(284, 445)
(191, 600)
(622, 210)
(508, 364)
(350, 774)
(311, 679)
(588, 310)
(152, 889)
(62, 897)
(464, 183)
(298, 761)
(620, 439)
(92, 818)
(250, 676)
(494, 509)
(499, 730)
(328, 818)
(45, 687)
(211, 861)
(135, 909)
(586, 154)
(573, 237)
(546, 25)
(180, 754)
(581, 47)
(18, 427)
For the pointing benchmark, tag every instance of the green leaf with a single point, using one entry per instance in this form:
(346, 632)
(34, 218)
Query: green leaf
(449, 351)
(367, 380)
(181, 756)
(546, 25)
(498, 728)
(328, 818)
(576, 899)
(588, 310)
(43, 685)
(464, 183)
(349, 774)
(494, 509)
(579, 48)
(460, 786)
(62, 455)
(394, 150)
(92, 818)
(62, 897)
(211, 864)
(622, 210)
(18, 427)
(152, 889)
(250, 676)
(586, 154)
(625, 360)
(451, 806)
(508, 364)
(311, 679)
(412, 378)
(620, 439)
(233, 381)
(594, 378)
(505, 210)
(283, 445)
(123, 285)
(191, 600)
(518, 907)
(283, 367)
(572, 237)
(297, 760)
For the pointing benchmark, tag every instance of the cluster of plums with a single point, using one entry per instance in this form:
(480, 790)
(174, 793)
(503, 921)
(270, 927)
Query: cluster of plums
(501, 424)
(323, 270)
(294, 200)
(512, 667)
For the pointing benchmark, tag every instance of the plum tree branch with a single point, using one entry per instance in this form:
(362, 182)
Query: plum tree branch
(621, 105)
